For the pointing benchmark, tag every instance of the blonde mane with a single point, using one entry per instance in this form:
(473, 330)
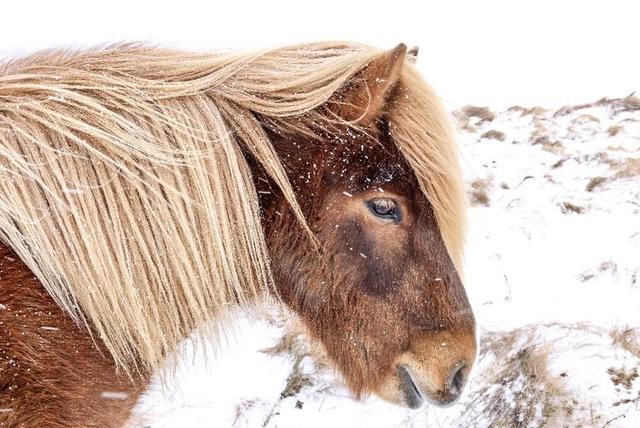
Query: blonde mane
(124, 188)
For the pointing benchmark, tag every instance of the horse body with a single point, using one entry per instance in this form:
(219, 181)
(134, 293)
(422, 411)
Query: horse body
(324, 174)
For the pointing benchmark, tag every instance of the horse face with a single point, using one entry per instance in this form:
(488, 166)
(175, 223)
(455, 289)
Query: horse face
(383, 297)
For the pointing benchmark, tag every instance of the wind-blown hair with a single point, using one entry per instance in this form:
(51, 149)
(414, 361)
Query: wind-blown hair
(125, 189)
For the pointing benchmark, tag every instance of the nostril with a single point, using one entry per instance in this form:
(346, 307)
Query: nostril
(457, 380)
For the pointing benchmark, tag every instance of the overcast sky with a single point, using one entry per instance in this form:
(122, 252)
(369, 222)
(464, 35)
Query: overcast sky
(474, 52)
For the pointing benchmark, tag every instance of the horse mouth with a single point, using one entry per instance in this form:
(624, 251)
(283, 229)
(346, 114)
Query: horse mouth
(414, 399)
(411, 393)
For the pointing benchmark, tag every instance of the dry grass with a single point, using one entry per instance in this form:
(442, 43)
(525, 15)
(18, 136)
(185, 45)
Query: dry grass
(292, 344)
(585, 118)
(623, 377)
(628, 168)
(296, 344)
(552, 146)
(540, 137)
(570, 109)
(561, 162)
(494, 135)
(296, 380)
(584, 124)
(614, 130)
(524, 111)
(617, 148)
(462, 122)
(518, 389)
(478, 193)
(568, 207)
(628, 339)
(482, 113)
(595, 182)
(622, 169)
(629, 103)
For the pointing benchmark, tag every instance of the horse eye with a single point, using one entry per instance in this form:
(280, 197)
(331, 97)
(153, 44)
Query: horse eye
(385, 208)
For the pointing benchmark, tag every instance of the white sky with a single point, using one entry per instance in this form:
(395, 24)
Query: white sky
(474, 52)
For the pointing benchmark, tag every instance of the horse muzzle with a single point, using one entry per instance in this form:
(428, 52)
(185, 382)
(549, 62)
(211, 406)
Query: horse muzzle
(435, 369)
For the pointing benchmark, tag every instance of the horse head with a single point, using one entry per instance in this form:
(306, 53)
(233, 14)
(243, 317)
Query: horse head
(379, 288)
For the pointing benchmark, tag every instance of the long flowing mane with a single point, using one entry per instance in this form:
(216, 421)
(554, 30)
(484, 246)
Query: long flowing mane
(125, 188)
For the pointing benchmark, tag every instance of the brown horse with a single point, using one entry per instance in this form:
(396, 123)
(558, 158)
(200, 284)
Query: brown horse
(144, 191)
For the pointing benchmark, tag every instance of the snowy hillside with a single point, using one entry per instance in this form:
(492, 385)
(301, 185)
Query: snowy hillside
(553, 272)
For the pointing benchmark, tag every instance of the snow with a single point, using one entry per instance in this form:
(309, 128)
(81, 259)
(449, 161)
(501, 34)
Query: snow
(553, 273)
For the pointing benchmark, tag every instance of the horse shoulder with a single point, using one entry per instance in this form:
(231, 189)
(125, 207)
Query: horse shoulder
(52, 373)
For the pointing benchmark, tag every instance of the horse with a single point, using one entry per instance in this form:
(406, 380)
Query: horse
(145, 192)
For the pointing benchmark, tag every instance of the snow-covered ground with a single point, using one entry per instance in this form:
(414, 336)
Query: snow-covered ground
(553, 272)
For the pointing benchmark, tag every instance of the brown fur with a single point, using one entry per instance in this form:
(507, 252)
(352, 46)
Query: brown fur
(383, 297)
(51, 373)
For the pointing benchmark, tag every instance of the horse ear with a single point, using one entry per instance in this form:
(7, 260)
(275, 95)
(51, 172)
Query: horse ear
(362, 99)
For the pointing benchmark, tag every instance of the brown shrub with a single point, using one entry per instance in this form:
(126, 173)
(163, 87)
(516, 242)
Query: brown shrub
(494, 135)
(556, 148)
(568, 207)
(570, 109)
(627, 168)
(518, 389)
(585, 118)
(560, 162)
(631, 103)
(548, 145)
(296, 345)
(524, 111)
(537, 139)
(628, 339)
(614, 130)
(622, 377)
(462, 121)
(478, 192)
(595, 182)
(482, 113)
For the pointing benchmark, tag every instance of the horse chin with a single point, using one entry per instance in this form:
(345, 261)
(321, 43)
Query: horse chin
(397, 391)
